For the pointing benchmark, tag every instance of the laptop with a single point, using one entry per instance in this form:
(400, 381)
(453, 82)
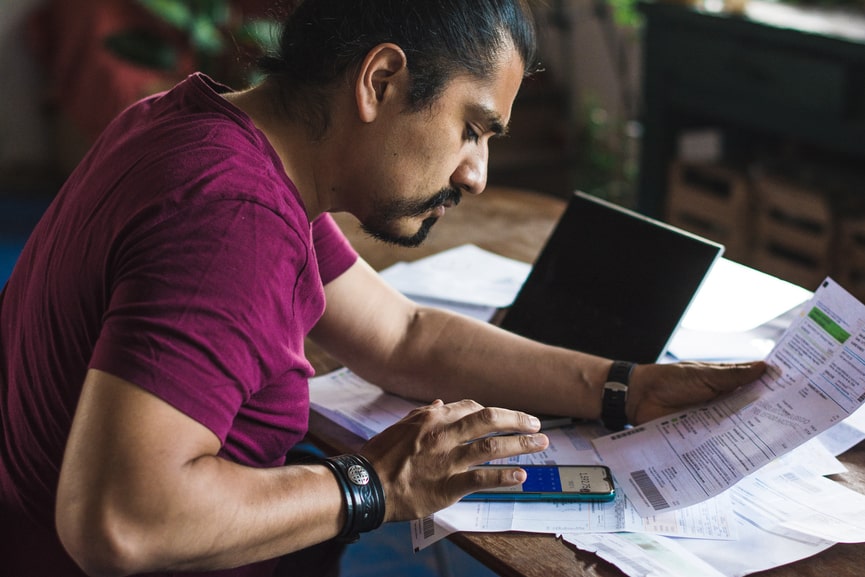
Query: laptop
(611, 282)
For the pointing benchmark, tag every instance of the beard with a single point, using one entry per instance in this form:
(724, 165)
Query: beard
(386, 216)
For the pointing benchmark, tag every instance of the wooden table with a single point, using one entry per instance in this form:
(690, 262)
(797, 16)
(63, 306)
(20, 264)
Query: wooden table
(516, 224)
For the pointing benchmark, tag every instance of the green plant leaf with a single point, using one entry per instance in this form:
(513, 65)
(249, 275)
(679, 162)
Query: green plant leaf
(142, 48)
(175, 12)
(205, 37)
(217, 11)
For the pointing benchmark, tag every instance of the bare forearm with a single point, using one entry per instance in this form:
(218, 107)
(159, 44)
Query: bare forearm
(453, 357)
(215, 515)
(243, 515)
(134, 498)
(427, 353)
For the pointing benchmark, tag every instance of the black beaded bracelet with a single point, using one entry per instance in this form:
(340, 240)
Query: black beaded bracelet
(363, 494)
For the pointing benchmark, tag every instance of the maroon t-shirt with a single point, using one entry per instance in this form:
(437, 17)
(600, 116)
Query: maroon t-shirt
(178, 256)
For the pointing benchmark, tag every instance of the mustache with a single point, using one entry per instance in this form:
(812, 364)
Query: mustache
(442, 197)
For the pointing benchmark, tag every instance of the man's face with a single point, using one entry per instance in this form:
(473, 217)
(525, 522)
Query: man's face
(428, 159)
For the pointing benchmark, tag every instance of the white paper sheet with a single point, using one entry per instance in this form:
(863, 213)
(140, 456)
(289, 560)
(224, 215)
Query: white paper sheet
(737, 298)
(737, 315)
(465, 274)
(355, 404)
(846, 434)
(793, 503)
(365, 409)
(691, 345)
(712, 519)
(648, 555)
(816, 379)
(643, 554)
(800, 516)
(706, 531)
(765, 503)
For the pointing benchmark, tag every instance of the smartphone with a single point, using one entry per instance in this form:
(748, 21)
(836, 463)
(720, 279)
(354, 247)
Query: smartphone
(554, 483)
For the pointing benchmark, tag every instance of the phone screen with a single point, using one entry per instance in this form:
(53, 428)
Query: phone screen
(574, 482)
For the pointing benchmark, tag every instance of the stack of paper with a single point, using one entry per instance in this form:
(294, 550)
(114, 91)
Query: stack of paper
(731, 488)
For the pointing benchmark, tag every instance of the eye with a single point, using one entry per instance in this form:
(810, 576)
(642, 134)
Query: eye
(471, 134)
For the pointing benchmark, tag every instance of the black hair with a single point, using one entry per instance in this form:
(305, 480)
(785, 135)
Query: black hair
(323, 41)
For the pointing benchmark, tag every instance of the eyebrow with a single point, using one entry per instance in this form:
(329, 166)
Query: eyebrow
(492, 119)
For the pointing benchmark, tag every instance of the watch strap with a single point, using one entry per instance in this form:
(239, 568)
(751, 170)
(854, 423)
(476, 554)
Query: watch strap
(616, 395)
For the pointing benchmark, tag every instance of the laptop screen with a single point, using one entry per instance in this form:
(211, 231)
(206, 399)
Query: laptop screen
(611, 282)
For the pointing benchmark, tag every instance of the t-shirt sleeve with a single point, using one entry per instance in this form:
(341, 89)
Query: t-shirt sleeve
(333, 251)
(205, 309)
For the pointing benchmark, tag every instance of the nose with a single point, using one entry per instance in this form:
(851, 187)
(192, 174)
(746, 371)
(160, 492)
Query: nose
(471, 175)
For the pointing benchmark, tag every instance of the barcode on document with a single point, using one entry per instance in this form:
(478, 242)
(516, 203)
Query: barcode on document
(649, 490)
(428, 527)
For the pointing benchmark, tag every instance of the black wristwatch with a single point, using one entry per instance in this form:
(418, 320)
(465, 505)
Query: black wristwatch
(616, 395)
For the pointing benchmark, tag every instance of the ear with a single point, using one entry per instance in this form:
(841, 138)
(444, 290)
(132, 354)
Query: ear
(383, 77)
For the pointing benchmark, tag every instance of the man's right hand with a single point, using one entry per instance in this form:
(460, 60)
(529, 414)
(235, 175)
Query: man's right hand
(424, 460)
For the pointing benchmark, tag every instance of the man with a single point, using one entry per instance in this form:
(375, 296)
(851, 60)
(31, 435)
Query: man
(152, 334)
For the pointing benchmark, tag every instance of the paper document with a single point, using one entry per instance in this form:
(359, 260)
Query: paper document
(647, 555)
(815, 380)
(793, 504)
(355, 404)
(711, 519)
(366, 410)
(784, 512)
(465, 274)
(846, 434)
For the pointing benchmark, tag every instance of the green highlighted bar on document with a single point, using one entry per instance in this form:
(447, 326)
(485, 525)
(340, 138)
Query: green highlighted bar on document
(830, 326)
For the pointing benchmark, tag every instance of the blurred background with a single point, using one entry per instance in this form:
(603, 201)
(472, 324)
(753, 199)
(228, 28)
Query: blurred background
(739, 120)
(69, 66)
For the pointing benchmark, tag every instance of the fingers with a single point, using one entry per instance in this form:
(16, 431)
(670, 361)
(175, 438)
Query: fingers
(658, 390)
(499, 447)
(482, 427)
(424, 459)
(473, 421)
(725, 377)
(491, 477)
(488, 433)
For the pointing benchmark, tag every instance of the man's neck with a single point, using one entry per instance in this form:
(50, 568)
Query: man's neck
(301, 156)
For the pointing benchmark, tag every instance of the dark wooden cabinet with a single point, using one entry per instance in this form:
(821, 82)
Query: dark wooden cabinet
(778, 72)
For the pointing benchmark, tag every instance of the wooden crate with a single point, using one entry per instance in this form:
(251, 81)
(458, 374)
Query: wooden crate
(795, 233)
(712, 201)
